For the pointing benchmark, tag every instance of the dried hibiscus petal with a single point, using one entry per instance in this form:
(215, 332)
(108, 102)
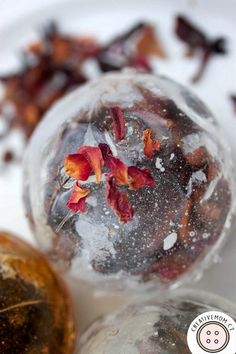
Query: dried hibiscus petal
(116, 167)
(78, 198)
(77, 167)
(150, 145)
(118, 201)
(140, 178)
(118, 122)
(198, 40)
(94, 156)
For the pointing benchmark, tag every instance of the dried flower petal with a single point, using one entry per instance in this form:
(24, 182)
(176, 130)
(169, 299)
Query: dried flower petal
(78, 198)
(94, 156)
(77, 167)
(118, 201)
(128, 49)
(197, 39)
(140, 178)
(116, 167)
(150, 145)
(118, 122)
(149, 44)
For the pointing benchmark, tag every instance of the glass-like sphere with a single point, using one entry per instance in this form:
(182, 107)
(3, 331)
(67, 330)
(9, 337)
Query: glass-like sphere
(153, 326)
(128, 180)
(35, 308)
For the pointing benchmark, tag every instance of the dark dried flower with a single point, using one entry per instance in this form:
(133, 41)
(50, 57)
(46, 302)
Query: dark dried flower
(197, 40)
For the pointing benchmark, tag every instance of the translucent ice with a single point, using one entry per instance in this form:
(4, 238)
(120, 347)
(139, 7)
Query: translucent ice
(152, 327)
(125, 177)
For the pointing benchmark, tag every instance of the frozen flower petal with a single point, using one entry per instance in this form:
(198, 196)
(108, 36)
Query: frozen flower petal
(94, 156)
(116, 167)
(118, 122)
(118, 201)
(140, 178)
(150, 145)
(77, 167)
(78, 198)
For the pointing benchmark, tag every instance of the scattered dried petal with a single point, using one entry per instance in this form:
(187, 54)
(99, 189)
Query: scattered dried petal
(118, 122)
(233, 98)
(150, 145)
(148, 43)
(198, 40)
(78, 198)
(118, 201)
(77, 167)
(116, 167)
(94, 156)
(140, 178)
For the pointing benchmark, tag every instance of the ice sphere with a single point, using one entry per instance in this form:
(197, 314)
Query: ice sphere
(35, 308)
(128, 181)
(152, 326)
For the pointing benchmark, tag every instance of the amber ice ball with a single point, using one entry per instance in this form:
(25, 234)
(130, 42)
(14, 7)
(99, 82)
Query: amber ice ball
(35, 308)
(128, 180)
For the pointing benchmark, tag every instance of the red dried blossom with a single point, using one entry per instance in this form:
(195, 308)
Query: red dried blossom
(150, 145)
(118, 201)
(78, 198)
(86, 160)
(118, 122)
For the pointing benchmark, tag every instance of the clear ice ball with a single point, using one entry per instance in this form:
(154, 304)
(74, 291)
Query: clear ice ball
(128, 181)
(153, 326)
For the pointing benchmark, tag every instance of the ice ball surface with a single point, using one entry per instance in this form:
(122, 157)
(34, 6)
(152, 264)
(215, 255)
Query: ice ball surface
(152, 327)
(128, 181)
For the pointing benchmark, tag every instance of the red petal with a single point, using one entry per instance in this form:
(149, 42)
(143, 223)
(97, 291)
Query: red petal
(119, 202)
(77, 199)
(150, 145)
(140, 178)
(118, 169)
(94, 156)
(77, 166)
(118, 122)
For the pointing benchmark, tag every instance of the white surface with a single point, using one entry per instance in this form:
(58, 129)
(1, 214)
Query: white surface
(104, 18)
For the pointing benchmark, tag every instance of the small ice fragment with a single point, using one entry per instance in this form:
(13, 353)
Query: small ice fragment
(159, 165)
(169, 241)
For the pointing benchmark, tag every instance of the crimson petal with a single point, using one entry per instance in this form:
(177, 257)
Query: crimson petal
(118, 201)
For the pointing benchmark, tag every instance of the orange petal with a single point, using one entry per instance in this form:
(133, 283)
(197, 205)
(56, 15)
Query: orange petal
(117, 168)
(118, 122)
(150, 145)
(94, 156)
(140, 178)
(77, 166)
(118, 200)
(78, 198)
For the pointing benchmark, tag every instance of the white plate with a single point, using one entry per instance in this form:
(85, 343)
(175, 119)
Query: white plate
(19, 22)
